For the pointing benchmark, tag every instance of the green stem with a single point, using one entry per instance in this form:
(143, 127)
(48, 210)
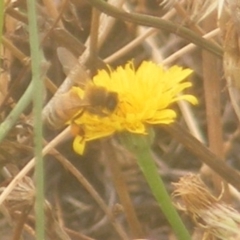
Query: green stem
(139, 146)
(1, 19)
(11, 119)
(8, 123)
(36, 57)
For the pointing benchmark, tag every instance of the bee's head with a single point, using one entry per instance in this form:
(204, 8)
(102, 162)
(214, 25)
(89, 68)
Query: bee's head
(111, 101)
(102, 99)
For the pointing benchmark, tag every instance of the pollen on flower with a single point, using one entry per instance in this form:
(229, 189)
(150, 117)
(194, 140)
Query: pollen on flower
(145, 96)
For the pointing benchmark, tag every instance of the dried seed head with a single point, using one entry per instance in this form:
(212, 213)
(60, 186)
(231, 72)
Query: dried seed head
(216, 218)
(22, 196)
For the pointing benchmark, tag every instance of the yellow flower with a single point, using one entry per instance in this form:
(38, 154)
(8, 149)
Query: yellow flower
(144, 98)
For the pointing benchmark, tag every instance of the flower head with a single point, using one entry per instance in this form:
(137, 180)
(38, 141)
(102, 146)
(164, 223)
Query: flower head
(212, 215)
(144, 98)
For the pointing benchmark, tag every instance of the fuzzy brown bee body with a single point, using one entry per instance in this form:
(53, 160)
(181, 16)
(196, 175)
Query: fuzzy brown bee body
(100, 100)
(64, 106)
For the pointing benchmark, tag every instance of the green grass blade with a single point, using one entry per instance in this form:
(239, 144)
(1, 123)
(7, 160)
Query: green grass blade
(139, 145)
(36, 58)
(1, 18)
(11, 119)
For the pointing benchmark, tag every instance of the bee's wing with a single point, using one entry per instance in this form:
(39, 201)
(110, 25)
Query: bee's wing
(72, 67)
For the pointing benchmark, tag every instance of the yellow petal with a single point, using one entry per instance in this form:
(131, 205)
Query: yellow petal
(145, 97)
(79, 145)
(165, 116)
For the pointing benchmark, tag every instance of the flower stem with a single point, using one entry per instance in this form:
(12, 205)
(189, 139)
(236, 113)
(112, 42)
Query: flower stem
(36, 59)
(139, 145)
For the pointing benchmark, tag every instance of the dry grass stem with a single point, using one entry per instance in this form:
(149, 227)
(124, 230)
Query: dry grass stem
(95, 196)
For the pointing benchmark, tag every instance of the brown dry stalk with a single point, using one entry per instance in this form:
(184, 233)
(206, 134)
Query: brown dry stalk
(112, 158)
(229, 174)
(212, 85)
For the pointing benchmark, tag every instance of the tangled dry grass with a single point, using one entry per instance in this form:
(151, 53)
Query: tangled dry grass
(81, 198)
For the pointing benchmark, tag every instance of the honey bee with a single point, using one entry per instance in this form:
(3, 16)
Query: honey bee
(64, 106)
